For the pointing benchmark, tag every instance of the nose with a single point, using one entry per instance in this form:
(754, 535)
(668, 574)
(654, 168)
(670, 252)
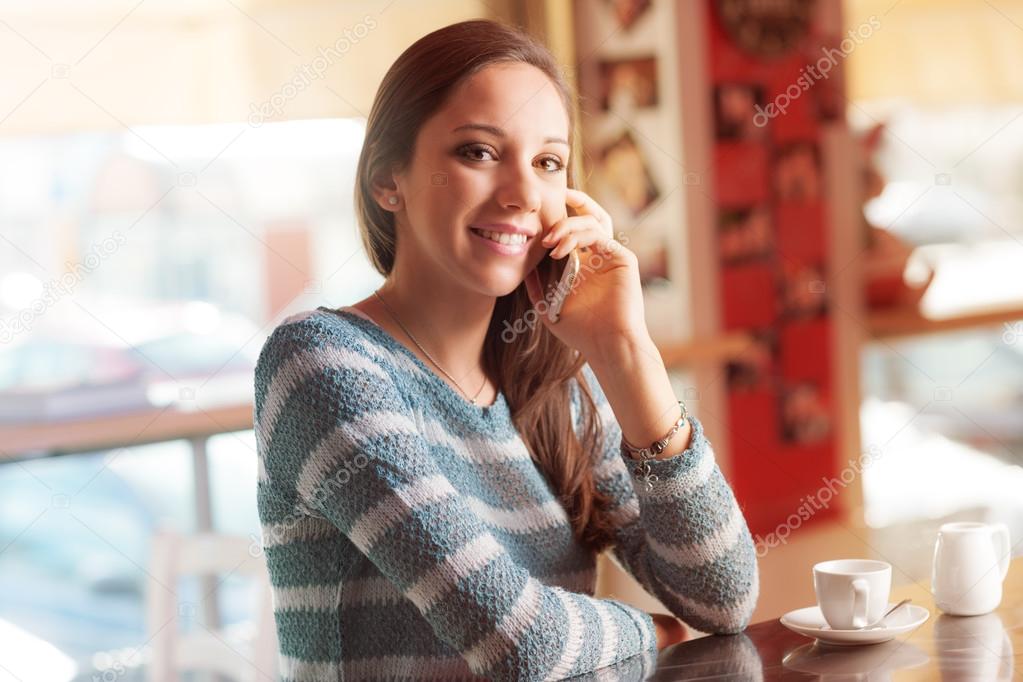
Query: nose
(519, 189)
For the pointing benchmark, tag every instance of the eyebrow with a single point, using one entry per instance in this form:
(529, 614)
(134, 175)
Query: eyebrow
(497, 132)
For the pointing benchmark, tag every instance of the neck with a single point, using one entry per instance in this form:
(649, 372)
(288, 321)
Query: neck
(450, 322)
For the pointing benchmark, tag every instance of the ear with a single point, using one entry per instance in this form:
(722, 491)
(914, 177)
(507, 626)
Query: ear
(386, 191)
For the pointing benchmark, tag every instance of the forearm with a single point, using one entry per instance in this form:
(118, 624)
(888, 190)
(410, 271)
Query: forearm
(632, 375)
(683, 538)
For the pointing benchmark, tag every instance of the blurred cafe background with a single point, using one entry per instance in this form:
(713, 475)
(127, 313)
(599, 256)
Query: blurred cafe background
(826, 197)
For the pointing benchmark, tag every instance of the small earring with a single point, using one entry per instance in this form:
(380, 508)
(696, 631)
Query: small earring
(392, 200)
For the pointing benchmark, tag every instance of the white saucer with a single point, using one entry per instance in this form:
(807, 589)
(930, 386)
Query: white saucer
(810, 622)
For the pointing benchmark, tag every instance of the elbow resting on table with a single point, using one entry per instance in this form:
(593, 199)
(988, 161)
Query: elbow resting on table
(731, 619)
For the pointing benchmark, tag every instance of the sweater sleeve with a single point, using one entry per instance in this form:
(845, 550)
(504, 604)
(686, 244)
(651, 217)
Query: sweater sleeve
(686, 540)
(356, 455)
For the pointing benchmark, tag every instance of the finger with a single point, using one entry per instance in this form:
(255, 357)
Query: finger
(584, 238)
(567, 225)
(576, 198)
(582, 201)
(567, 244)
(558, 229)
(588, 233)
(609, 246)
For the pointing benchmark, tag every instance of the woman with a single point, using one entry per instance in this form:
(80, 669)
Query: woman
(439, 464)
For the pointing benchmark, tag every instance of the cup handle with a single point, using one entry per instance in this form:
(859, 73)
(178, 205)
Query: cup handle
(861, 592)
(1000, 537)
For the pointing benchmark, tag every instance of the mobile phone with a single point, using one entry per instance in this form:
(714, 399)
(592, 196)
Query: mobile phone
(568, 277)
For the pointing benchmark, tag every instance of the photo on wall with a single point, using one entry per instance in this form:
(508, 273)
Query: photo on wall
(745, 234)
(652, 255)
(797, 172)
(803, 291)
(627, 12)
(627, 84)
(755, 366)
(624, 170)
(735, 109)
(805, 413)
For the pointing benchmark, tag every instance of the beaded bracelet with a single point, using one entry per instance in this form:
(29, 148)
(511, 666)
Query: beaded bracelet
(655, 448)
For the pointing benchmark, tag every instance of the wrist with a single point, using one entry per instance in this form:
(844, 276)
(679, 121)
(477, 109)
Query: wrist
(670, 630)
(620, 349)
(661, 448)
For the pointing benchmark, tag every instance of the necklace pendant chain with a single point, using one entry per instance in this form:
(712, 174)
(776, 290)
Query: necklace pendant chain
(419, 345)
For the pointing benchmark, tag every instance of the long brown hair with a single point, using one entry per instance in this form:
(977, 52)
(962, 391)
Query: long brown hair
(534, 368)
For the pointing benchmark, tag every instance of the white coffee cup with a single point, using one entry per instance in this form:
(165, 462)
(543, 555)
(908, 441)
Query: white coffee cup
(852, 593)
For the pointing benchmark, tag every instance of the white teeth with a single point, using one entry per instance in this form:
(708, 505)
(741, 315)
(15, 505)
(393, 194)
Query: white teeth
(502, 237)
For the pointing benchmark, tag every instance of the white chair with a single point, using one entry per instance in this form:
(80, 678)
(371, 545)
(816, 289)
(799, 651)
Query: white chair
(245, 654)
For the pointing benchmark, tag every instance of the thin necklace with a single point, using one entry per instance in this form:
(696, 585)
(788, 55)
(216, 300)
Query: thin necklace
(405, 329)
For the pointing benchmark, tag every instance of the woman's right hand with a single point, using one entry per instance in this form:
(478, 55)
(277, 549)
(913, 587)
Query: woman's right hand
(670, 630)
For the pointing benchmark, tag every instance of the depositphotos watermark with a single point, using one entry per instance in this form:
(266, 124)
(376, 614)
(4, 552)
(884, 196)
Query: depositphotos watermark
(279, 532)
(1013, 332)
(820, 70)
(55, 289)
(814, 503)
(307, 73)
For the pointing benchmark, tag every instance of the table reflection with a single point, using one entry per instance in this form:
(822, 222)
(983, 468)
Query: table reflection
(634, 669)
(732, 657)
(973, 648)
(868, 663)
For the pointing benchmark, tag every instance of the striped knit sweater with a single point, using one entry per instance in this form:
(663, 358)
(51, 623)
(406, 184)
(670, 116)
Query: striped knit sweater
(409, 535)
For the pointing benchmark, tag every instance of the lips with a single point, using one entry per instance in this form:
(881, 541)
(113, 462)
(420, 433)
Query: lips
(511, 239)
(503, 227)
(501, 242)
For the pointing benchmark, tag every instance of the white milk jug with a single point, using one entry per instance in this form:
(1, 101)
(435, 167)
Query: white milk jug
(970, 563)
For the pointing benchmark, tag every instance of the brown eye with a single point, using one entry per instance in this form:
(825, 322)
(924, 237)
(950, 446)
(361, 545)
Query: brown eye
(558, 164)
(474, 149)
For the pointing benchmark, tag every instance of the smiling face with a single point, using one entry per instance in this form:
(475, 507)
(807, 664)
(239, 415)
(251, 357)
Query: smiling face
(496, 153)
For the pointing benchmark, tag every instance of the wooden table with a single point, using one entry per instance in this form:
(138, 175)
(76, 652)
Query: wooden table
(947, 648)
